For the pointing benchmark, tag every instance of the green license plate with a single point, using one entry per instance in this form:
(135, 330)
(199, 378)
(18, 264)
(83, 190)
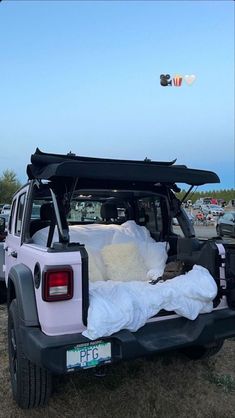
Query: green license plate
(84, 356)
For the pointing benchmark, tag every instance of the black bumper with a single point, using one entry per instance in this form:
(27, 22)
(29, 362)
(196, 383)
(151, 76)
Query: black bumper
(50, 352)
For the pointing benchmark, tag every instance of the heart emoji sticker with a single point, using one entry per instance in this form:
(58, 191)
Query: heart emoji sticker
(190, 79)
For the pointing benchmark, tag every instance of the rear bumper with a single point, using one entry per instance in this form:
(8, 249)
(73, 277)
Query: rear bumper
(50, 352)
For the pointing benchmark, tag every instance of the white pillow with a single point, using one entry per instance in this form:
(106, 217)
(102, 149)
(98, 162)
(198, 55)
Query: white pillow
(124, 262)
(96, 267)
(155, 255)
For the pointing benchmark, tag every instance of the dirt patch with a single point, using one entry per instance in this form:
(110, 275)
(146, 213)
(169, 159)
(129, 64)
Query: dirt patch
(165, 386)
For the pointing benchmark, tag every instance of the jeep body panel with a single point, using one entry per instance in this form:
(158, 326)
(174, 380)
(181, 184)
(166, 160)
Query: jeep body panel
(154, 337)
(61, 317)
(21, 287)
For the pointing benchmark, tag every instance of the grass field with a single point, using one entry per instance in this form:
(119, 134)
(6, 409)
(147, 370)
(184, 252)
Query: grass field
(166, 386)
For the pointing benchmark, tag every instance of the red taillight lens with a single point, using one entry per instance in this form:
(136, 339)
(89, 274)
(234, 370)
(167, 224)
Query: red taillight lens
(58, 284)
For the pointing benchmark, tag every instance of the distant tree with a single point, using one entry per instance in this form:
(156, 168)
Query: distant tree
(8, 186)
(225, 194)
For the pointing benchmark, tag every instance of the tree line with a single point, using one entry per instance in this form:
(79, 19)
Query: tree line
(8, 186)
(225, 194)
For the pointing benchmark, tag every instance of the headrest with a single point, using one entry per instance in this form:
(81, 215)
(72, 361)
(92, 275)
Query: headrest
(46, 212)
(108, 211)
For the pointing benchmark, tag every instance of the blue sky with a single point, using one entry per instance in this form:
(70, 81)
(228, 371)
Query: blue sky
(84, 76)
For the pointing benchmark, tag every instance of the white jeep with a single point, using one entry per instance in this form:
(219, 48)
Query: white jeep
(56, 263)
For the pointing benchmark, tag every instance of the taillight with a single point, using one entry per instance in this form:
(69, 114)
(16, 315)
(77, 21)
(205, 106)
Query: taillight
(57, 284)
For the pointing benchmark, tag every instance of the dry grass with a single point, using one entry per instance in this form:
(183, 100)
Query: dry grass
(166, 386)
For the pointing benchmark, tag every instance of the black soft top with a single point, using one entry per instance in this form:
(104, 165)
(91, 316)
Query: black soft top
(54, 166)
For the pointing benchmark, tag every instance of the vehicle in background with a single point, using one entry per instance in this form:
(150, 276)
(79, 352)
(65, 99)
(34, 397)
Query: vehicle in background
(3, 226)
(6, 210)
(210, 201)
(216, 210)
(35, 212)
(231, 203)
(222, 203)
(205, 201)
(205, 209)
(6, 217)
(214, 201)
(198, 204)
(226, 224)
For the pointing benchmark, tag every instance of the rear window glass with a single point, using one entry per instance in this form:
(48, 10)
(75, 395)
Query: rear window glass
(150, 213)
(12, 216)
(20, 212)
(93, 211)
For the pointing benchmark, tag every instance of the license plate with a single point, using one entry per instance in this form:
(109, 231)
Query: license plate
(84, 356)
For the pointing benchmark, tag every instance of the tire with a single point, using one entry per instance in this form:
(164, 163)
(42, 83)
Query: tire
(201, 352)
(3, 293)
(31, 385)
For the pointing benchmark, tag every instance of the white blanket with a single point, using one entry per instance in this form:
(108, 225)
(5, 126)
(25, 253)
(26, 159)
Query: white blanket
(116, 305)
(97, 236)
(128, 305)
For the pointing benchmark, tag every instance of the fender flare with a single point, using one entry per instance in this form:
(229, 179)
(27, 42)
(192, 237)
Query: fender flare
(20, 276)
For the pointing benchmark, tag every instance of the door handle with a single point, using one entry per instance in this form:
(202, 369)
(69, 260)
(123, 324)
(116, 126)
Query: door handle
(14, 254)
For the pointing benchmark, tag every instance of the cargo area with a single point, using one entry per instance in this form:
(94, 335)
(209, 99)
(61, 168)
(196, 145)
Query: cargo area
(132, 278)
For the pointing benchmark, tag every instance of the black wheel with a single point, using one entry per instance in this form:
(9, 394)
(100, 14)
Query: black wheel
(200, 352)
(3, 292)
(31, 385)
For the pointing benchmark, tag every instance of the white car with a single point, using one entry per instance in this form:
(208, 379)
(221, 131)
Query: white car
(215, 210)
(6, 210)
(198, 204)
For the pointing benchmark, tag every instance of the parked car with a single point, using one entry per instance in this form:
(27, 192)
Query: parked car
(6, 210)
(198, 204)
(6, 217)
(215, 210)
(3, 226)
(226, 224)
(222, 203)
(35, 212)
(205, 209)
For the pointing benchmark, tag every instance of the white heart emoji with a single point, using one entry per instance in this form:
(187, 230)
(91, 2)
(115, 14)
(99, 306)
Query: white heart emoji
(190, 79)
